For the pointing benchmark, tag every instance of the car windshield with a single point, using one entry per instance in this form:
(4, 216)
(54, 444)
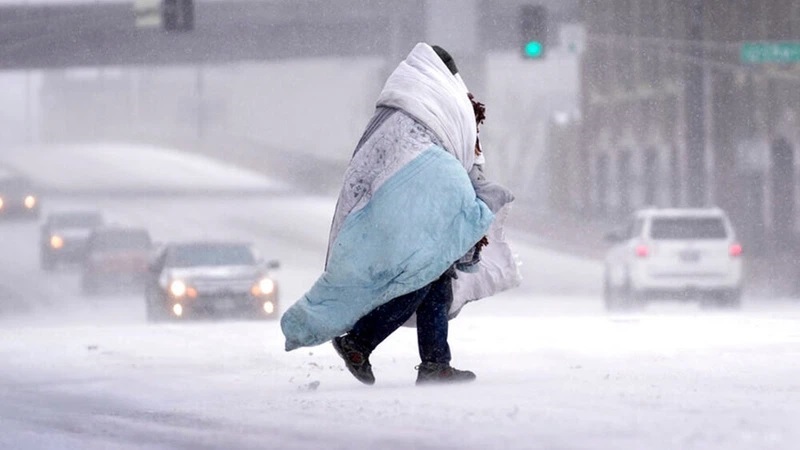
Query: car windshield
(211, 255)
(688, 228)
(121, 240)
(76, 220)
(14, 185)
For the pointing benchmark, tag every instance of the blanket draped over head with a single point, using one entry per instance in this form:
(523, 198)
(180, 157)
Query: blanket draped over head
(406, 210)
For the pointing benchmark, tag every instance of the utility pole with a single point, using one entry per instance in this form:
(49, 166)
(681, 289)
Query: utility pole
(199, 91)
(695, 109)
(28, 107)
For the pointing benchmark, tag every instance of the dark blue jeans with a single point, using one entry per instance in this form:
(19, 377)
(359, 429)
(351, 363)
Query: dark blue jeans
(431, 303)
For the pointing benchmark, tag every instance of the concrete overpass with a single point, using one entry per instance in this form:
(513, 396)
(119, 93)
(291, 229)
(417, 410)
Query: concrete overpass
(217, 90)
(44, 36)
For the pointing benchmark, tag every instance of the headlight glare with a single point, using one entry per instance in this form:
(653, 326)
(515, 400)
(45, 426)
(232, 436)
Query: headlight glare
(177, 288)
(30, 201)
(264, 286)
(56, 241)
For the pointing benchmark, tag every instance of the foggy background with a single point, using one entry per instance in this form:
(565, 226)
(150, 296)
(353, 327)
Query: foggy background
(242, 128)
(311, 107)
(636, 102)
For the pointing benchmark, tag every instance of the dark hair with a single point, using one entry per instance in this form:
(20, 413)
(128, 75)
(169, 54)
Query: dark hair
(446, 59)
(478, 108)
(480, 115)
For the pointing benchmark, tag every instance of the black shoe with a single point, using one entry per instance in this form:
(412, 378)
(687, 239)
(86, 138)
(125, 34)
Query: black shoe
(356, 361)
(429, 373)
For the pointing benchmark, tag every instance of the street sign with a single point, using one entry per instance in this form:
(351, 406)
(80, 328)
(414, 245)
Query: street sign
(770, 52)
(147, 13)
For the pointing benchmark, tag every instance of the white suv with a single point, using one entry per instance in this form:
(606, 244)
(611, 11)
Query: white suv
(674, 253)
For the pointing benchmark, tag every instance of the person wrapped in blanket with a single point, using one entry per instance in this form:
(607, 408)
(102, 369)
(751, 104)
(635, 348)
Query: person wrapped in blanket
(414, 210)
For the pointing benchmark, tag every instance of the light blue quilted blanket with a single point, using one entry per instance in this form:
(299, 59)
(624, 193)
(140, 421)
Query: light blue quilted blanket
(422, 219)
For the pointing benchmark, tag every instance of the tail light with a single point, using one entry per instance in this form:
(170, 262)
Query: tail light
(735, 250)
(642, 251)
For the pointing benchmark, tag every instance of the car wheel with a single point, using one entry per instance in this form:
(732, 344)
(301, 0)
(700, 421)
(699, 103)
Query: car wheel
(46, 262)
(154, 307)
(154, 314)
(636, 299)
(614, 297)
(609, 297)
(150, 312)
(89, 285)
(618, 298)
(731, 299)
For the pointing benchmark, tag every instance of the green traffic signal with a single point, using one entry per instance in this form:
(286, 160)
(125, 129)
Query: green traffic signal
(533, 49)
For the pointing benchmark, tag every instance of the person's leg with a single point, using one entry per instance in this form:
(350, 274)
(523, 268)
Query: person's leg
(356, 346)
(378, 324)
(432, 321)
(432, 329)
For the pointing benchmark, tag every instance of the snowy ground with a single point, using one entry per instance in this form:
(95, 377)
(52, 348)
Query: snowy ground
(554, 370)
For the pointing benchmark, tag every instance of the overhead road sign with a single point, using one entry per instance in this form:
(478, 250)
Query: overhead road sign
(785, 52)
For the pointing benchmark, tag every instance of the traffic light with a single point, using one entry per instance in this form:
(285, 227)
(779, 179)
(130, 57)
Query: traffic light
(177, 15)
(533, 31)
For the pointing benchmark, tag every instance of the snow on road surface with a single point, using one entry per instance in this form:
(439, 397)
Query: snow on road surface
(644, 381)
(554, 370)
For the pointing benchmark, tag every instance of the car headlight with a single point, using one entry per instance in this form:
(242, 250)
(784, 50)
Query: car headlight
(265, 286)
(56, 241)
(177, 288)
(1, 203)
(30, 201)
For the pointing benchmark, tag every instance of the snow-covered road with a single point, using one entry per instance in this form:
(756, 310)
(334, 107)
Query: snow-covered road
(554, 370)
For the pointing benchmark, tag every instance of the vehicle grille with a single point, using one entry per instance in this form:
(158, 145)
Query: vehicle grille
(222, 287)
